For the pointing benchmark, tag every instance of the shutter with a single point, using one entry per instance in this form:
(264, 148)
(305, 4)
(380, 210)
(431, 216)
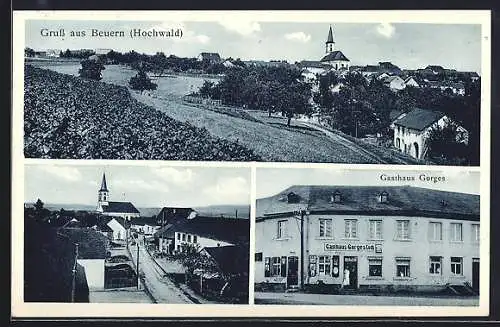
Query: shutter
(267, 267)
(283, 266)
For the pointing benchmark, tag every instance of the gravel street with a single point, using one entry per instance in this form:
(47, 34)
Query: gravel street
(161, 288)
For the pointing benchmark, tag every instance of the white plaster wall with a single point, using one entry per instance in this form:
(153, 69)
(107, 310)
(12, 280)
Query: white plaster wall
(94, 271)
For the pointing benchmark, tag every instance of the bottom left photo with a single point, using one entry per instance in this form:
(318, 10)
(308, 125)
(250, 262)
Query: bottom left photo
(121, 233)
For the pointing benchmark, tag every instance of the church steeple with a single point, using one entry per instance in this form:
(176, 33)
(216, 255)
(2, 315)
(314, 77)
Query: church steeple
(330, 44)
(103, 194)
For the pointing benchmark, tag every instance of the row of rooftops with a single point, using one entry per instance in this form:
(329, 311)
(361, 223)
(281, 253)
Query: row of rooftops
(385, 200)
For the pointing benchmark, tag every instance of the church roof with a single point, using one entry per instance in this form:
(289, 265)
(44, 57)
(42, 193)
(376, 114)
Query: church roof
(335, 55)
(104, 187)
(120, 207)
(330, 36)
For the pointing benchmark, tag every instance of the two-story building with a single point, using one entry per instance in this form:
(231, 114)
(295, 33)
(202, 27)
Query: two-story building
(386, 238)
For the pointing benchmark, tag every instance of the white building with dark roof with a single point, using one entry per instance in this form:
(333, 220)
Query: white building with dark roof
(335, 58)
(105, 207)
(376, 238)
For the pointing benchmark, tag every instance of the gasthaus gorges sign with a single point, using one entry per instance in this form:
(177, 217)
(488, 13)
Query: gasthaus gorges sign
(375, 248)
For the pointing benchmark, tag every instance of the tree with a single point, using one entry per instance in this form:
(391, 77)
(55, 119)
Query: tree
(91, 69)
(141, 82)
(447, 143)
(28, 52)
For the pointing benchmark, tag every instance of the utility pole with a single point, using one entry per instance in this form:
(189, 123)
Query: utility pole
(138, 264)
(73, 283)
(302, 249)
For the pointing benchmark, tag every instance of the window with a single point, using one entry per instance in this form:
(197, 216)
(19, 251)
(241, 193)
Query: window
(435, 265)
(403, 229)
(179, 236)
(456, 266)
(258, 256)
(475, 233)
(435, 231)
(276, 266)
(402, 267)
(375, 267)
(336, 197)
(267, 267)
(383, 197)
(189, 238)
(456, 232)
(282, 229)
(325, 227)
(351, 226)
(183, 237)
(195, 238)
(375, 229)
(324, 265)
(178, 247)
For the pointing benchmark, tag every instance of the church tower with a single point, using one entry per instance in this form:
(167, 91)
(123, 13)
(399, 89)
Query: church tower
(103, 194)
(330, 45)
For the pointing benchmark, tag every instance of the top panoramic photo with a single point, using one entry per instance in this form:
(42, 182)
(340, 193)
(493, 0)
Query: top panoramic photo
(318, 92)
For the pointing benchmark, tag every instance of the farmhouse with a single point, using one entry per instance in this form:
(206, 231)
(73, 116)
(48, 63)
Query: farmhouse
(201, 232)
(119, 226)
(395, 83)
(367, 237)
(124, 210)
(411, 81)
(144, 225)
(210, 57)
(411, 130)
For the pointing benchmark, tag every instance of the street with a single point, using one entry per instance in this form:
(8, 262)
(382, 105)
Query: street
(331, 299)
(161, 288)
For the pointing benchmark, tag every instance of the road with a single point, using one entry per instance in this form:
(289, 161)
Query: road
(161, 288)
(330, 299)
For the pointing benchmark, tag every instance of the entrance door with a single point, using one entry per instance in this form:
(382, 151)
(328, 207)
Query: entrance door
(350, 277)
(475, 274)
(292, 278)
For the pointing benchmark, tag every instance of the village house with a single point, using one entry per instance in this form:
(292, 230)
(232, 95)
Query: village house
(210, 57)
(144, 225)
(394, 83)
(92, 250)
(411, 131)
(377, 238)
(411, 81)
(119, 226)
(200, 232)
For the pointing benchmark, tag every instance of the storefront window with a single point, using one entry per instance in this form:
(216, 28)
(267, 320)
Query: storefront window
(351, 228)
(375, 267)
(282, 229)
(324, 265)
(403, 229)
(456, 265)
(456, 232)
(325, 227)
(435, 265)
(435, 231)
(376, 229)
(402, 267)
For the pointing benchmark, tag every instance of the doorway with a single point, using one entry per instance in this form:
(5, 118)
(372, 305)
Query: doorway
(415, 145)
(292, 276)
(475, 274)
(350, 273)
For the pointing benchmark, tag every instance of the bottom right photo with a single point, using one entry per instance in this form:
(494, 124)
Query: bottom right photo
(332, 236)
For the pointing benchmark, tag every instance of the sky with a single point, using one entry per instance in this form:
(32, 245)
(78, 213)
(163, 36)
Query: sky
(144, 186)
(271, 181)
(408, 45)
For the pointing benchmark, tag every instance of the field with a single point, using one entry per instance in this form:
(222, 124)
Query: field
(269, 139)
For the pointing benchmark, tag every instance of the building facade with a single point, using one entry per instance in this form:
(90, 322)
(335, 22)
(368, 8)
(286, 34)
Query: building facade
(376, 238)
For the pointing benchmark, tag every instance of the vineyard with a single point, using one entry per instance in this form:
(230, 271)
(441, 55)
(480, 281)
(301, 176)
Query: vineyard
(67, 117)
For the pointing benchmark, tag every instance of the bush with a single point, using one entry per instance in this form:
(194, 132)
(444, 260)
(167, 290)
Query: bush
(91, 69)
(141, 82)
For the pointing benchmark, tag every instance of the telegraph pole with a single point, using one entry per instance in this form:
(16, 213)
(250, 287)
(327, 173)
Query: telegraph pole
(138, 264)
(302, 249)
(73, 282)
